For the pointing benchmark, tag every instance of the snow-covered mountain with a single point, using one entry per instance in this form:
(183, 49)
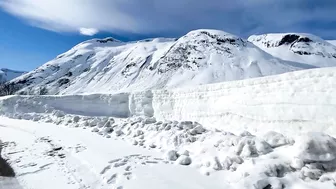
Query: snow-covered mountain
(7, 74)
(297, 47)
(108, 65)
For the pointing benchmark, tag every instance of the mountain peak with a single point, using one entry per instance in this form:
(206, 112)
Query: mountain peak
(297, 47)
(214, 36)
(280, 39)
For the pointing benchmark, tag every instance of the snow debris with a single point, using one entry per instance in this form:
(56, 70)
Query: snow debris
(250, 146)
(231, 162)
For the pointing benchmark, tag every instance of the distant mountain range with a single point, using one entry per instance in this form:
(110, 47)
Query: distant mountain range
(7, 74)
(199, 57)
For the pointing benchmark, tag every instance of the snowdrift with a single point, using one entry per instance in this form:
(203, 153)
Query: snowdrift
(296, 101)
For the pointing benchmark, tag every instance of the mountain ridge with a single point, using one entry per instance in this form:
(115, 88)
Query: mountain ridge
(108, 65)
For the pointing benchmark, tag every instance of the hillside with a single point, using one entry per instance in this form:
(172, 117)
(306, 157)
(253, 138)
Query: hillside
(109, 66)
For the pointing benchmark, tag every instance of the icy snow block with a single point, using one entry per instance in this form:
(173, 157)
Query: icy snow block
(315, 147)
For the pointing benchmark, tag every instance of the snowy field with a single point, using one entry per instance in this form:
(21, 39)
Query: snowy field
(69, 158)
(272, 132)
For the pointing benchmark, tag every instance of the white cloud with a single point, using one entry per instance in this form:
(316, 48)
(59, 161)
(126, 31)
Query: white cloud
(148, 17)
(88, 31)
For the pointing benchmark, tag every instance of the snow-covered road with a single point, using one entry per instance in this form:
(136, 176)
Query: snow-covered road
(50, 156)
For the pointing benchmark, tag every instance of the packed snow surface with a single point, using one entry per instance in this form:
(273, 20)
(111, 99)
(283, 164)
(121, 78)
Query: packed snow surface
(297, 47)
(111, 66)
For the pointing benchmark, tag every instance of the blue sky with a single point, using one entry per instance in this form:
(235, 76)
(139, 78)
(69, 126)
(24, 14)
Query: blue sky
(33, 32)
(25, 47)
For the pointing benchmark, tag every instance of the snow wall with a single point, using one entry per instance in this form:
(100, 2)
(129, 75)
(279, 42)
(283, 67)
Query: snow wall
(296, 101)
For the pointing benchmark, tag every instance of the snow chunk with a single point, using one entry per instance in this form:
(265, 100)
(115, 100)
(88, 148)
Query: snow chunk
(184, 160)
(197, 130)
(315, 146)
(150, 120)
(183, 152)
(171, 155)
(245, 133)
(250, 146)
(76, 119)
(297, 163)
(108, 130)
(119, 132)
(58, 113)
(107, 124)
(95, 130)
(275, 139)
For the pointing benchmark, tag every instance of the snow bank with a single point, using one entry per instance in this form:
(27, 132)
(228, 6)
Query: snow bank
(291, 102)
(116, 105)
